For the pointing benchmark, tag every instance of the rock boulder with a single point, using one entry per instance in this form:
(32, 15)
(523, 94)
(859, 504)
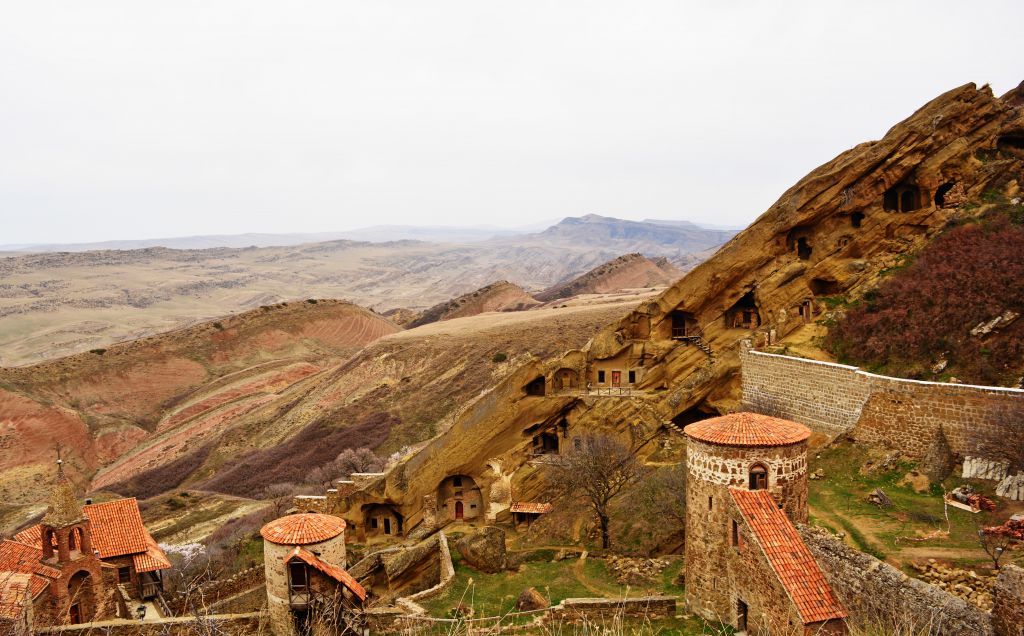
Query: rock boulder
(484, 550)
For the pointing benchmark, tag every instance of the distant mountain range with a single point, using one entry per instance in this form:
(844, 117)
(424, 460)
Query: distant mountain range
(58, 302)
(382, 234)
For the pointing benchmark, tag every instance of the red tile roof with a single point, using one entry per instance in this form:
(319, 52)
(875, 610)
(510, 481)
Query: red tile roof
(532, 508)
(152, 559)
(117, 527)
(303, 529)
(19, 557)
(331, 570)
(748, 429)
(789, 556)
(117, 530)
(15, 594)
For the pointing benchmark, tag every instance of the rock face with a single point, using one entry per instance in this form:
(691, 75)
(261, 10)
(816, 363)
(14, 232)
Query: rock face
(625, 272)
(982, 468)
(499, 296)
(531, 599)
(834, 233)
(484, 549)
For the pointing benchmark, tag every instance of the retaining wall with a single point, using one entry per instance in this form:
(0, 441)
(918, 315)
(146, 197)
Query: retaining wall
(902, 414)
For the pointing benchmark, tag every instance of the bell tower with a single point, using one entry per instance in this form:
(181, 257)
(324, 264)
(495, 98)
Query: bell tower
(66, 536)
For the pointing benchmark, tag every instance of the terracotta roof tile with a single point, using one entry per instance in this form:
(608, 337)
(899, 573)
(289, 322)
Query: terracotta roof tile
(303, 529)
(152, 559)
(117, 530)
(748, 429)
(331, 570)
(117, 527)
(26, 559)
(789, 556)
(533, 508)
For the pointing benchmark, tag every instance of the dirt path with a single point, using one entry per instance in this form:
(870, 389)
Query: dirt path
(577, 570)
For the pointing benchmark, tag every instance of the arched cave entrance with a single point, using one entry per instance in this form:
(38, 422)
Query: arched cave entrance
(856, 219)
(693, 414)
(382, 519)
(1011, 143)
(744, 314)
(459, 493)
(902, 197)
(799, 239)
(535, 386)
(566, 378)
(941, 192)
(824, 287)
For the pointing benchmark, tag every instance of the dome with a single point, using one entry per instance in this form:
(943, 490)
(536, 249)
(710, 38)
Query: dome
(748, 429)
(303, 529)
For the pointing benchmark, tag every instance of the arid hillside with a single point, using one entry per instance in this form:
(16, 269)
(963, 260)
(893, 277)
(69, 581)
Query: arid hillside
(58, 303)
(625, 272)
(101, 404)
(499, 296)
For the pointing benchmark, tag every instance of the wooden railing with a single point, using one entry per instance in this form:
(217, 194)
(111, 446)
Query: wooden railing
(150, 589)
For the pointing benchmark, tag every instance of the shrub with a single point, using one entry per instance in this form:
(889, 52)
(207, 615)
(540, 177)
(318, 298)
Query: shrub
(317, 444)
(98, 352)
(163, 478)
(967, 276)
(499, 357)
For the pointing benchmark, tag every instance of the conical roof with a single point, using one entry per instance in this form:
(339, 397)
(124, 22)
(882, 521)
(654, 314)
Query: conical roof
(748, 429)
(64, 507)
(303, 529)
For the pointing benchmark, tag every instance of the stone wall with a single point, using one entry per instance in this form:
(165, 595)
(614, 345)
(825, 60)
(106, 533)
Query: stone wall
(877, 594)
(901, 414)
(1008, 611)
(225, 624)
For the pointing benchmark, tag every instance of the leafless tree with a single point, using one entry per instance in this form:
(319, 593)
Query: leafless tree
(597, 469)
(357, 460)
(664, 490)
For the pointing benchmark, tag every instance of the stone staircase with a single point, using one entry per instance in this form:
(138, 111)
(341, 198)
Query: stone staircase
(702, 344)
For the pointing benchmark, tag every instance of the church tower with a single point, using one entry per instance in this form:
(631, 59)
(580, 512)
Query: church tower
(67, 546)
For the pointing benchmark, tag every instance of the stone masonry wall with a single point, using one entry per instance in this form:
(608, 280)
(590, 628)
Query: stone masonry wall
(1008, 610)
(877, 594)
(898, 413)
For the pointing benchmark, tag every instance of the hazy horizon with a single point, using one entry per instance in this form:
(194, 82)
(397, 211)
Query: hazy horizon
(138, 121)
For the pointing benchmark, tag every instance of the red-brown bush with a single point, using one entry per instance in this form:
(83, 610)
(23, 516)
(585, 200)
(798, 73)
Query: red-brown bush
(317, 444)
(163, 478)
(968, 275)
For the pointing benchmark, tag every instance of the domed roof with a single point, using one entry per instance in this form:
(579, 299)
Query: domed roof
(303, 529)
(748, 429)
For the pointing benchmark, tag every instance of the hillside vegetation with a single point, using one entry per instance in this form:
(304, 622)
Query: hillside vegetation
(949, 312)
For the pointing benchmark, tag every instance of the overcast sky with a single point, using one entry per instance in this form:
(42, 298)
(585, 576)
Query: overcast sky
(142, 119)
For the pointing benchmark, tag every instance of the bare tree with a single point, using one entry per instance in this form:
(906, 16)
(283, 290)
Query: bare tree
(664, 490)
(598, 468)
(357, 460)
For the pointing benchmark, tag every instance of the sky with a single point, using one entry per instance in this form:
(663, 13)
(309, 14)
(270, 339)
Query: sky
(142, 119)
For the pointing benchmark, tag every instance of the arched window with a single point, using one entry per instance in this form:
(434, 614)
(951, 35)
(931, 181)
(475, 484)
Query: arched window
(758, 477)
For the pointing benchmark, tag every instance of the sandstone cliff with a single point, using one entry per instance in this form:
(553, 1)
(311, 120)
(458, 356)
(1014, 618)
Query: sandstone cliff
(836, 231)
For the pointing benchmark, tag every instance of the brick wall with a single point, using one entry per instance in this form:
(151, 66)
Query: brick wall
(898, 413)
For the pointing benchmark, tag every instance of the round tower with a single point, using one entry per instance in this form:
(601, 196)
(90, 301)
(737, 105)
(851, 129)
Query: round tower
(745, 451)
(287, 579)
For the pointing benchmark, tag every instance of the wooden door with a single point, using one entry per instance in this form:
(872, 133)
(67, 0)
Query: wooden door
(459, 513)
(616, 378)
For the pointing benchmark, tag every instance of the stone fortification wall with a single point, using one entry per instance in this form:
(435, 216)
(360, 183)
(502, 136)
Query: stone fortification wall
(898, 413)
(875, 593)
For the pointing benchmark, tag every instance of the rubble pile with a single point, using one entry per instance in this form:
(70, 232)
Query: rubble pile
(635, 571)
(966, 584)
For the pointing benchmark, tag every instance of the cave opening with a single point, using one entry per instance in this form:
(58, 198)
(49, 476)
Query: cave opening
(941, 192)
(902, 197)
(856, 219)
(803, 248)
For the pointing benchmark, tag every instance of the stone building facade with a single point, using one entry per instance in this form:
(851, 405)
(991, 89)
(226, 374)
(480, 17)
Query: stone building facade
(307, 585)
(894, 412)
(745, 563)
